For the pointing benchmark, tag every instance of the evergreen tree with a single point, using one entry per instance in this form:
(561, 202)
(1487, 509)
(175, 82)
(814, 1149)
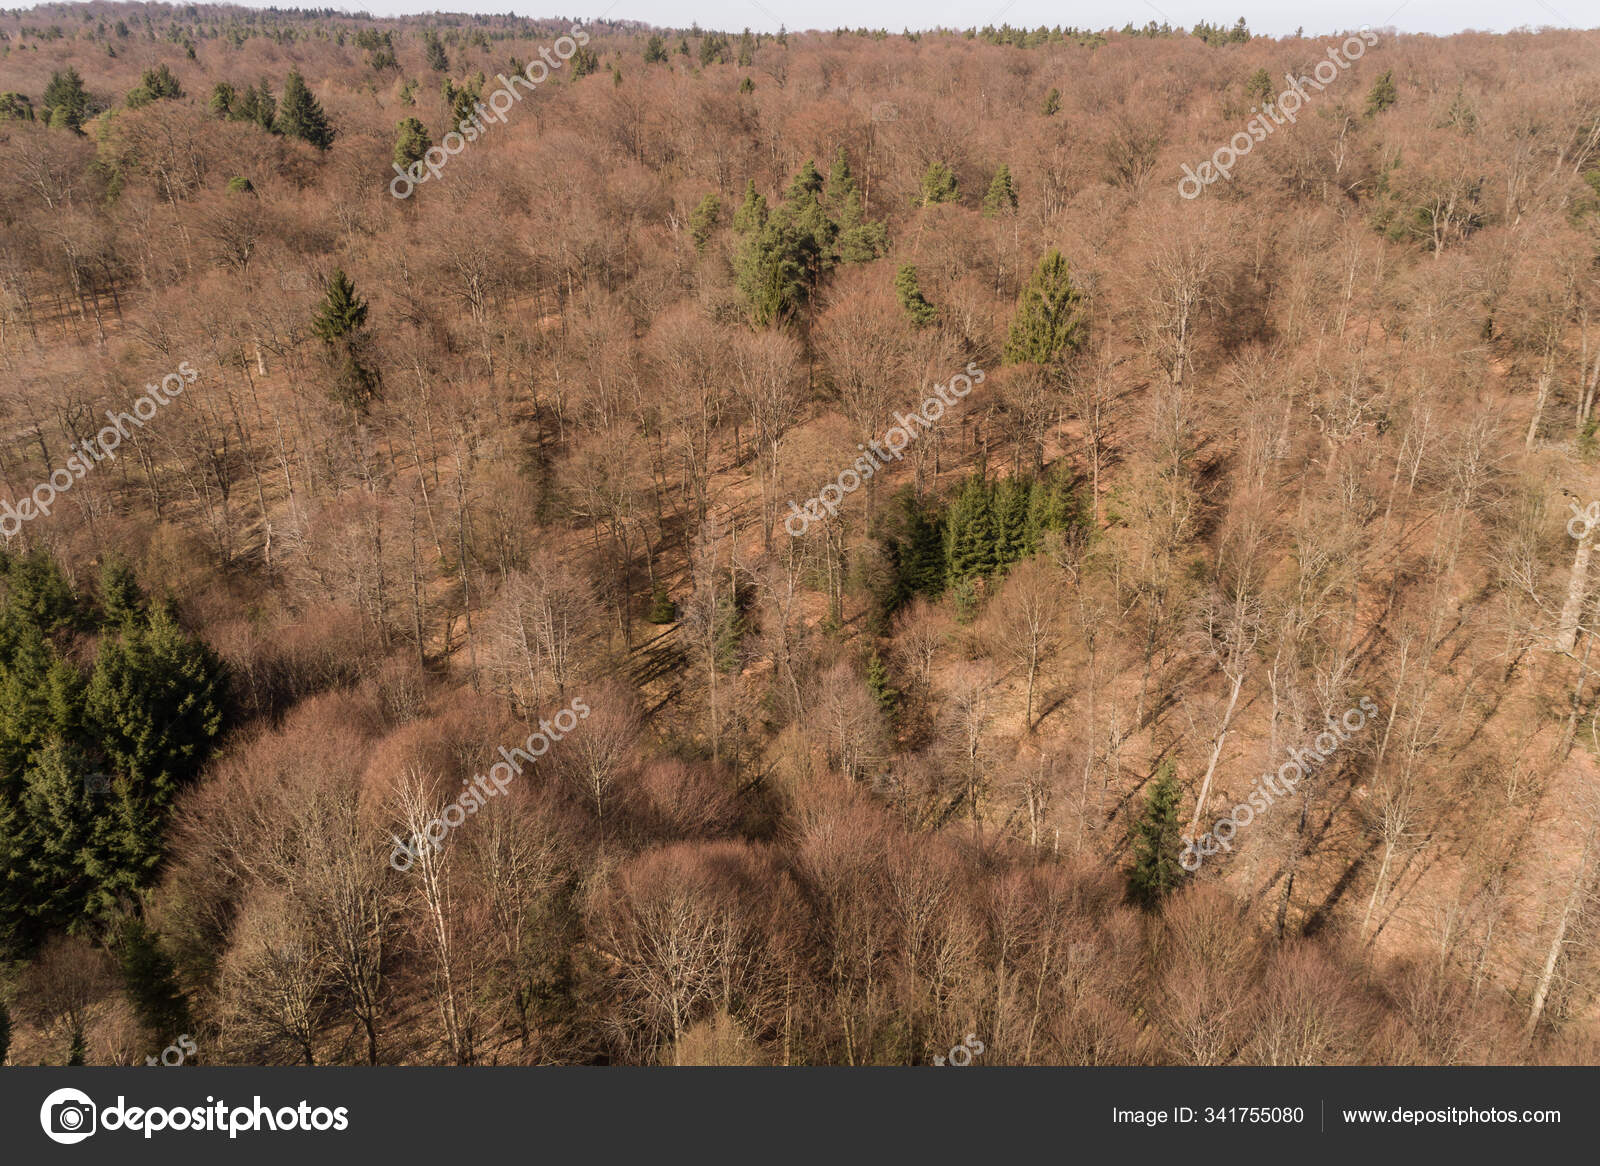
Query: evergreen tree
(1157, 844)
(438, 60)
(151, 982)
(878, 683)
(223, 96)
(938, 185)
(158, 84)
(584, 62)
(773, 269)
(1052, 103)
(154, 702)
(342, 311)
(909, 291)
(1055, 507)
(66, 102)
(121, 599)
(1050, 322)
(60, 835)
(1011, 506)
(747, 86)
(411, 143)
(655, 52)
(970, 531)
(1383, 94)
(704, 221)
(752, 213)
(300, 114)
(340, 323)
(1259, 87)
(841, 184)
(1002, 196)
(256, 104)
(16, 107)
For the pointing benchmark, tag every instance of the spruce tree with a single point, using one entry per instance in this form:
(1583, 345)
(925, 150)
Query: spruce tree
(300, 114)
(1050, 323)
(66, 102)
(1383, 94)
(704, 221)
(158, 84)
(411, 143)
(909, 292)
(340, 323)
(223, 96)
(1002, 196)
(970, 532)
(938, 185)
(1011, 499)
(155, 704)
(655, 51)
(1157, 843)
(752, 213)
(151, 982)
(438, 59)
(59, 836)
(121, 599)
(883, 691)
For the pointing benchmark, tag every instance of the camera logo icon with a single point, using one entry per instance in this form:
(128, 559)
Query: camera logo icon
(68, 1116)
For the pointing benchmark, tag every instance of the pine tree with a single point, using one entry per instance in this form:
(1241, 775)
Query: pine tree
(909, 291)
(300, 114)
(938, 185)
(1002, 196)
(1050, 322)
(1157, 844)
(704, 221)
(655, 51)
(1052, 103)
(412, 143)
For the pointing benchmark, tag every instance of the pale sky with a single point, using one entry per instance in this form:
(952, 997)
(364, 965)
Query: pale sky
(1271, 17)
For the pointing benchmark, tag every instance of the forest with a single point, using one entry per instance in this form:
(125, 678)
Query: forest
(538, 541)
